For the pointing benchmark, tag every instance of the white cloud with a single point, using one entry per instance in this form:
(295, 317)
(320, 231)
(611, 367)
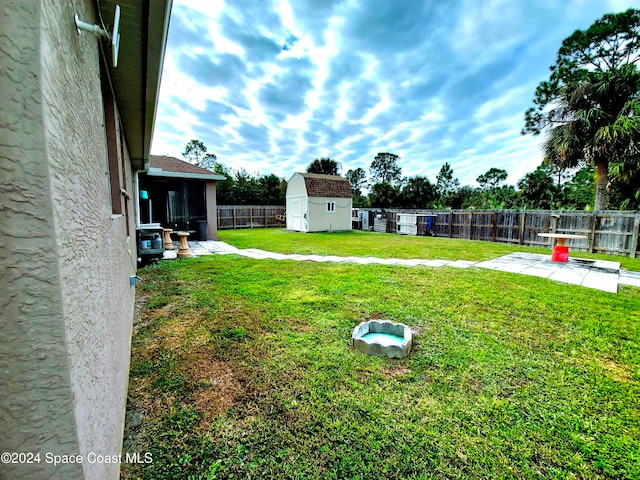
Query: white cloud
(435, 81)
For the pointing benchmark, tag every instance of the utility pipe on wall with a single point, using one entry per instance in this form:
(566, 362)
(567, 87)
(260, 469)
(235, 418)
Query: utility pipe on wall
(136, 189)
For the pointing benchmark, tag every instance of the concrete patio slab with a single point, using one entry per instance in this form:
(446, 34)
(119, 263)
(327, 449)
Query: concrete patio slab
(199, 251)
(170, 255)
(607, 265)
(568, 276)
(601, 281)
(538, 272)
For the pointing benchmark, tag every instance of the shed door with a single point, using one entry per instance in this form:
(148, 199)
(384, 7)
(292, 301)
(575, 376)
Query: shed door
(296, 214)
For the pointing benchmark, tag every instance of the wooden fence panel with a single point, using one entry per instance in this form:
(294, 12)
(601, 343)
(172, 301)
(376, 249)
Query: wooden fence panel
(614, 233)
(508, 226)
(482, 226)
(249, 216)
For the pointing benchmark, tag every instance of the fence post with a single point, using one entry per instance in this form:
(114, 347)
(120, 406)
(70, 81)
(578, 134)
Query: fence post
(470, 224)
(523, 216)
(634, 236)
(494, 226)
(553, 219)
(250, 217)
(450, 222)
(233, 211)
(592, 240)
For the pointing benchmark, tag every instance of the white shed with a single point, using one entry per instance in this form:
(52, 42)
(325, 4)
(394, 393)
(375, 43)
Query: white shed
(318, 203)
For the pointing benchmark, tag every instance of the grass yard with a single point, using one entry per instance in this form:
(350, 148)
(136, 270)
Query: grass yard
(242, 369)
(366, 244)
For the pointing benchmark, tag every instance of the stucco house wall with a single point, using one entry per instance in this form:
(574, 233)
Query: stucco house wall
(67, 302)
(212, 211)
(36, 380)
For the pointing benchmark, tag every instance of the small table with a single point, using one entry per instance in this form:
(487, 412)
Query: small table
(183, 247)
(560, 251)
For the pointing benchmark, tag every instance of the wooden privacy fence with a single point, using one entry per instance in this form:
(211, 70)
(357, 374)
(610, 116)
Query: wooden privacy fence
(608, 232)
(249, 216)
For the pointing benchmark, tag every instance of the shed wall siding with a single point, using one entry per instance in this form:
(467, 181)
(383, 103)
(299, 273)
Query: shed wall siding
(296, 186)
(296, 191)
(295, 222)
(321, 221)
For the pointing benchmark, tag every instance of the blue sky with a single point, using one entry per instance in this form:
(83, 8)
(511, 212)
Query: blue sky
(270, 85)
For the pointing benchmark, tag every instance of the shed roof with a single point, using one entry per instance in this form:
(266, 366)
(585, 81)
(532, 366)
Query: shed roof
(326, 185)
(163, 166)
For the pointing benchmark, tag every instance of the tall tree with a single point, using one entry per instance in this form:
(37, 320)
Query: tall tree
(225, 188)
(418, 192)
(271, 191)
(357, 179)
(196, 152)
(590, 106)
(538, 189)
(384, 195)
(492, 178)
(446, 185)
(384, 168)
(325, 166)
(208, 161)
(579, 192)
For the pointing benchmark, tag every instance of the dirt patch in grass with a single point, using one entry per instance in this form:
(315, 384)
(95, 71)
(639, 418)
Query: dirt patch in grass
(141, 318)
(174, 334)
(395, 370)
(216, 385)
(617, 372)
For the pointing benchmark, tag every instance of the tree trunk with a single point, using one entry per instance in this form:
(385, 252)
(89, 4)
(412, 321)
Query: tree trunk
(602, 178)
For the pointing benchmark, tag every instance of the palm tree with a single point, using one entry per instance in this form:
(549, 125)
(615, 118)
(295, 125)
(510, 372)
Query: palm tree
(598, 122)
(326, 166)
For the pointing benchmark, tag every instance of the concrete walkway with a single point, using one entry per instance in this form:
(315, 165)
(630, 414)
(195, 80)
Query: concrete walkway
(598, 274)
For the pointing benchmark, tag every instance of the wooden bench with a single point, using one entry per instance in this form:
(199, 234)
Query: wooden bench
(560, 251)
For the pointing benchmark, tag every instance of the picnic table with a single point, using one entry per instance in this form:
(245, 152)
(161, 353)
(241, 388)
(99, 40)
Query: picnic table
(560, 250)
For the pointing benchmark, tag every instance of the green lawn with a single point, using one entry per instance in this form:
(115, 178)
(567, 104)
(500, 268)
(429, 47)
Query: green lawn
(366, 244)
(242, 368)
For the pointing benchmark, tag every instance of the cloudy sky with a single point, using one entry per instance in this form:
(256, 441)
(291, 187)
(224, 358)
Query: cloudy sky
(270, 85)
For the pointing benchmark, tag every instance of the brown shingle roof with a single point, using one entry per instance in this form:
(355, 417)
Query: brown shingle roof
(326, 185)
(171, 164)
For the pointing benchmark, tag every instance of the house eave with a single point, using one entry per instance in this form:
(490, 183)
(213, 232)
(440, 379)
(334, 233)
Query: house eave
(158, 172)
(144, 28)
